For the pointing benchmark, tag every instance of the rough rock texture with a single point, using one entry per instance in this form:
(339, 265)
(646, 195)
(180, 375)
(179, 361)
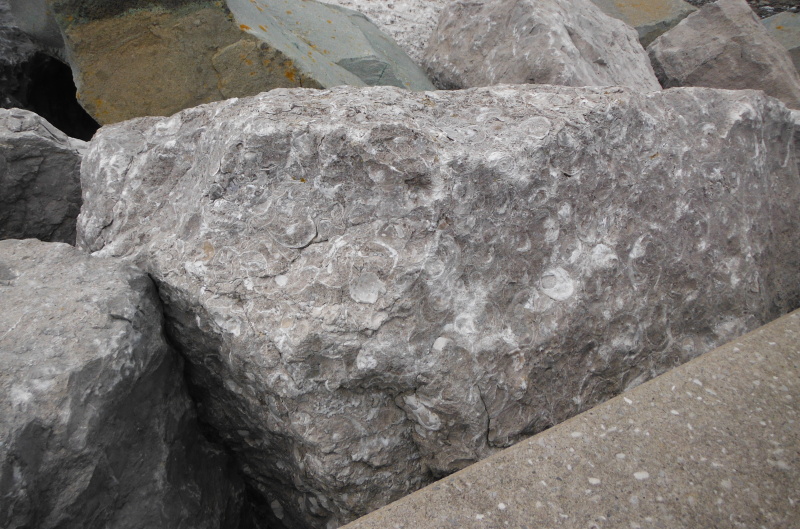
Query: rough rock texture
(650, 18)
(158, 57)
(375, 287)
(40, 186)
(96, 428)
(785, 28)
(562, 42)
(409, 22)
(724, 45)
(15, 50)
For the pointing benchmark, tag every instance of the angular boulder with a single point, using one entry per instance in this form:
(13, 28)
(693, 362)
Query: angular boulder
(96, 427)
(158, 57)
(562, 42)
(376, 287)
(785, 28)
(650, 18)
(40, 187)
(724, 45)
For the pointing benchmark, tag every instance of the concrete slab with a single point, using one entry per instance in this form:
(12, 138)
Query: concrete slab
(712, 443)
(785, 27)
(650, 18)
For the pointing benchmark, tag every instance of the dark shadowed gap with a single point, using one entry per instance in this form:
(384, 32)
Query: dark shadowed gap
(46, 88)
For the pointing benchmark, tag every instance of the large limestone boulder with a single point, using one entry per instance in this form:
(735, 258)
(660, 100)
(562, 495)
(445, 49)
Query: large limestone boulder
(724, 45)
(650, 18)
(96, 428)
(158, 57)
(40, 187)
(375, 287)
(563, 42)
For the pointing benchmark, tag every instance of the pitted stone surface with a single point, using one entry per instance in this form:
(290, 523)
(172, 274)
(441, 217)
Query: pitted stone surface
(713, 443)
(96, 427)
(40, 188)
(785, 28)
(376, 287)
(562, 42)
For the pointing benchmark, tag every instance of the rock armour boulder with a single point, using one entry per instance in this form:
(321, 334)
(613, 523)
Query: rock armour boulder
(562, 42)
(724, 45)
(375, 287)
(40, 188)
(96, 428)
(133, 59)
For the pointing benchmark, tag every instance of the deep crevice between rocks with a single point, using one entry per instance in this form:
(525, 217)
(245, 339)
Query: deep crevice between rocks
(44, 85)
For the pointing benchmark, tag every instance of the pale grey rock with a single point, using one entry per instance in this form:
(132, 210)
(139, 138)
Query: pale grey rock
(376, 287)
(40, 188)
(785, 28)
(562, 42)
(96, 427)
(650, 18)
(724, 45)
(410, 23)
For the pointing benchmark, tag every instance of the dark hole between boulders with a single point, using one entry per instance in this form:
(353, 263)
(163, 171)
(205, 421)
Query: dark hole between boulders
(50, 92)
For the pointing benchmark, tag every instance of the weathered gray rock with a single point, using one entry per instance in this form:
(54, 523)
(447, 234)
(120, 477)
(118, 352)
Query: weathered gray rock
(40, 187)
(563, 42)
(650, 18)
(376, 287)
(785, 28)
(724, 45)
(409, 22)
(160, 56)
(96, 429)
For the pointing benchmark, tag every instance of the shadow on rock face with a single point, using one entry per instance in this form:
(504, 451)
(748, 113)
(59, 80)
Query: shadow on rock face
(45, 86)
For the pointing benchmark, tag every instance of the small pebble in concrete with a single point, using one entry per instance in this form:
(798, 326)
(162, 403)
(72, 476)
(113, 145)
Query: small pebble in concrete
(641, 475)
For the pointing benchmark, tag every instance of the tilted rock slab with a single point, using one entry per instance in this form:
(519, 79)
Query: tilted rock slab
(725, 45)
(375, 287)
(40, 185)
(650, 18)
(562, 42)
(96, 428)
(409, 22)
(159, 57)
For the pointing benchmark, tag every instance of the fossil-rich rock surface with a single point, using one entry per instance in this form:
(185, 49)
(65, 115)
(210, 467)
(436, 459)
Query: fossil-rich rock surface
(785, 28)
(40, 185)
(96, 427)
(157, 57)
(562, 42)
(374, 287)
(724, 45)
(650, 18)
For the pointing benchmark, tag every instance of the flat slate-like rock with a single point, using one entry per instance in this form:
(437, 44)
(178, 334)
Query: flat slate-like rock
(161, 56)
(40, 187)
(96, 428)
(785, 28)
(562, 42)
(650, 18)
(376, 287)
(724, 45)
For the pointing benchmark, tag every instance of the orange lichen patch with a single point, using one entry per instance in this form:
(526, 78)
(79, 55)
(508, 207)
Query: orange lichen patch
(260, 8)
(262, 28)
(288, 12)
(244, 27)
(291, 74)
(329, 22)
(778, 27)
